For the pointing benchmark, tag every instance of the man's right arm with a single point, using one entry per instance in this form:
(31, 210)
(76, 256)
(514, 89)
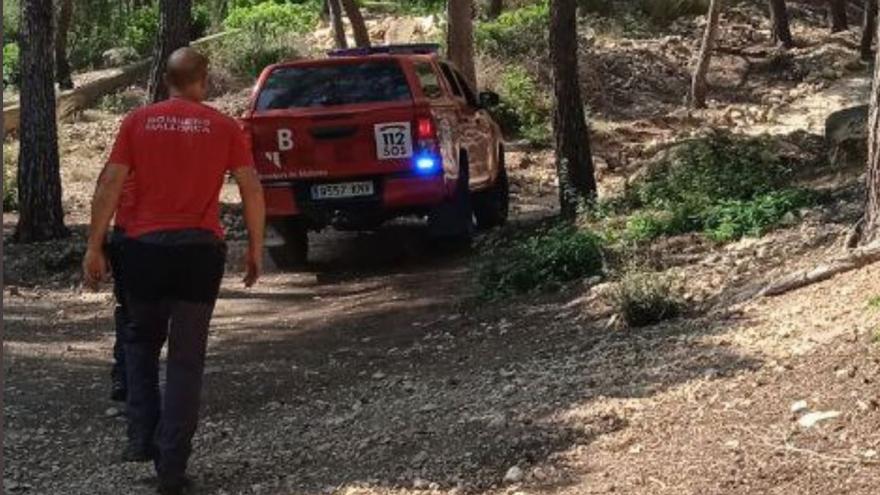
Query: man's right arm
(254, 218)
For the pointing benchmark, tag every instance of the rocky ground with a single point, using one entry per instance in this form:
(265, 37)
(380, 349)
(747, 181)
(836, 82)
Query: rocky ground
(376, 371)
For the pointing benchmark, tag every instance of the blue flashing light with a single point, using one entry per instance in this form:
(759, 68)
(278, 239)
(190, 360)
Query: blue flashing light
(426, 163)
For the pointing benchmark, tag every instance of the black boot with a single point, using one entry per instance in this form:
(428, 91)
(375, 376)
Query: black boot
(178, 486)
(118, 389)
(137, 453)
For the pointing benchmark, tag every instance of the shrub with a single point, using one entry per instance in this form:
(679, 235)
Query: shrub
(540, 262)
(11, 64)
(515, 33)
(11, 19)
(723, 186)
(247, 53)
(201, 20)
(271, 18)
(732, 219)
(643, 298)
(716, 167)
(525, 109)
(10, 179)
(140, 29)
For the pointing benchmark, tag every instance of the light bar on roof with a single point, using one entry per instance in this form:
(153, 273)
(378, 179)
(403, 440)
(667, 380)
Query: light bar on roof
(409, 49)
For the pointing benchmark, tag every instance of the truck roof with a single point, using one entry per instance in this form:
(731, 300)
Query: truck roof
(422, 51)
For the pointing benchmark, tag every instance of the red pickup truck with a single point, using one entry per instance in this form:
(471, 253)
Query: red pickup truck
(367, 135)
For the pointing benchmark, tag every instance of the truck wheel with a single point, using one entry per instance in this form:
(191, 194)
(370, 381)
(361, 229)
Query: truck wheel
(295, 250)
(454, 220)
(491, 206)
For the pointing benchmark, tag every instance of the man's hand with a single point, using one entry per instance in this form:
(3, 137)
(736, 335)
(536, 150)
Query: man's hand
(254, 219)
(253, 263)
(94, 267)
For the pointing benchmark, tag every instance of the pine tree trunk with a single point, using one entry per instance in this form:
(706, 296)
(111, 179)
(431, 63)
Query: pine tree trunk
(779, 20)
(494, 8)
(837, 11)
(62, 66)
(175, 21)
(460, 37)
(358, 26)
(701, 68)
(336, 24)
(574, 163)
(870, 228)
(41, 216)
(869, 29)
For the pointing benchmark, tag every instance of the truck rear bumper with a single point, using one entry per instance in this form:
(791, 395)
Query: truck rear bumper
(394, 194)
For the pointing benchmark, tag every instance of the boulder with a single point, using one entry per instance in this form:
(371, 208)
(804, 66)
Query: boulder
(117, 57)
(846, 134)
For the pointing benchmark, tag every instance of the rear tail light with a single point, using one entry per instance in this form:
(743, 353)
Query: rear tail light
(426, 156)
(425, 128)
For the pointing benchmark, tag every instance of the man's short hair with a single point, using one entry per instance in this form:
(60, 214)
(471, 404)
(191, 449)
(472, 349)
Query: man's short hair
(186, 66)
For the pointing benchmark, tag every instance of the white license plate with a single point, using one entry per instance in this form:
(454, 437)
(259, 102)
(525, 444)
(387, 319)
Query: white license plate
(342, 190)
(393, 140)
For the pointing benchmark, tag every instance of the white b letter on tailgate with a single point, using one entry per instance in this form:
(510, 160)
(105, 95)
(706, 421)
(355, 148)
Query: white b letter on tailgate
(285, 140)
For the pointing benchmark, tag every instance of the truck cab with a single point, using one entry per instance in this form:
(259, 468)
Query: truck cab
(370, 134)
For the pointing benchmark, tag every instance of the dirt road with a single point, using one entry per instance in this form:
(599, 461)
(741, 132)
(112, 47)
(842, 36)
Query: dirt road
(375, 373)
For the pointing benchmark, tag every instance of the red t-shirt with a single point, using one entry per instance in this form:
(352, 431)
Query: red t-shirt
(125, 210)
(178, 152)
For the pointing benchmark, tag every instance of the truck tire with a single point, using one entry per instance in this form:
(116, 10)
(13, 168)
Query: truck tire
(454, 220)
(294, 252)
(491, 207)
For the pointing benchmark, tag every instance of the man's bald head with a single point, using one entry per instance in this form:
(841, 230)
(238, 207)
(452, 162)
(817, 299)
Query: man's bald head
(186, 68)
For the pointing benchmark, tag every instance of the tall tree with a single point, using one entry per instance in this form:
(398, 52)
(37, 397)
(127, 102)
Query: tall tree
(494, 8)
(175, 29)
(41, 216)
(574, 162)
(701, 68)
(336, 24)
(779, 20)
(62, 66)
(358, 26)
(837, 13)
(869, 29)
(460, 37)
(870, 226)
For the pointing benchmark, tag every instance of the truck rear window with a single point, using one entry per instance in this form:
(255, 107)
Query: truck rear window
(330, 85)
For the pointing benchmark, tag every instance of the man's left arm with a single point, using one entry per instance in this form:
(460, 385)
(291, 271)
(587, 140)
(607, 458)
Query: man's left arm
(104, 203)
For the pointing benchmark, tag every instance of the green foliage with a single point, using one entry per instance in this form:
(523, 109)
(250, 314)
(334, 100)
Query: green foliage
(202, 19)
(273, 18)
(874, 302)
(540, 262)
(268, 33)
(11, 20)
(525, 109)
(247, 53)
(418, 7)
(10, 181)
(717, 167)
(515, 33)
(644, 298)
(11, 64)
(732, 219)
(140, 29)
(723, 186)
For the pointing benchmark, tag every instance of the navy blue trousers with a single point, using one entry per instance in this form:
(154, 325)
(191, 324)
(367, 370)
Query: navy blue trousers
(171, 291)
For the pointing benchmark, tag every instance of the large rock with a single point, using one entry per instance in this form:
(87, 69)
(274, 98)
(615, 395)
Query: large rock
(846, 133)
(117, 57)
